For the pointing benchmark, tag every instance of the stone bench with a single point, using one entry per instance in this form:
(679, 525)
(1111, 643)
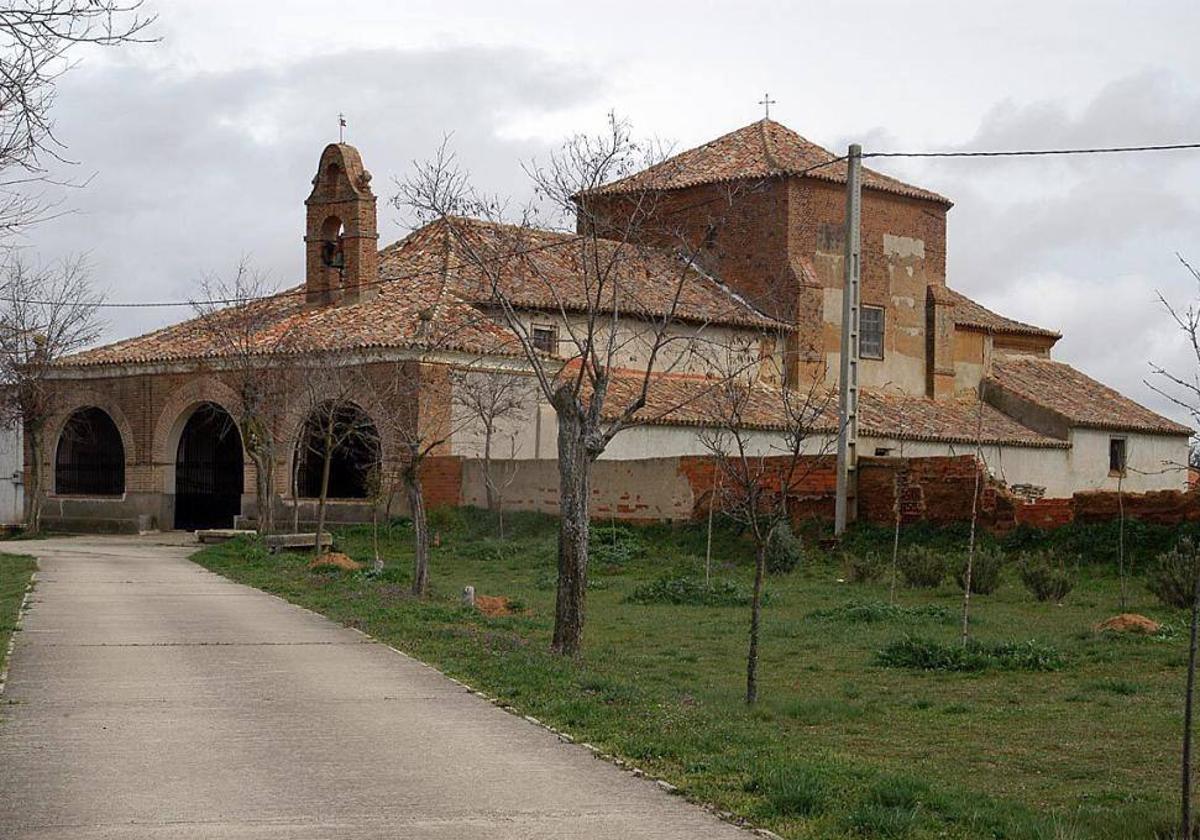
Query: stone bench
(220, 535)
(297, 542)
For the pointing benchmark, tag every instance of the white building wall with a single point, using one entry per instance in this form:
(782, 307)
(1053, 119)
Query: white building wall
(1154, 462)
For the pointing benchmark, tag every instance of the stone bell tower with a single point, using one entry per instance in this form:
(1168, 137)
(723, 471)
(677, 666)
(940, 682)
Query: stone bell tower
(341, 241)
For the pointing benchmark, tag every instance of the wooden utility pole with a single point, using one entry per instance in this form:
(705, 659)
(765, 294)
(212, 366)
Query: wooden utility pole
(847, 450)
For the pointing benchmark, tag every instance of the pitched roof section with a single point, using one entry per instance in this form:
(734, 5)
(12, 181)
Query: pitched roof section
(945, 421)
(556, 272)
(973, 316)
(762, 149)
(400, 316)
(1077, 398)
(687, 400)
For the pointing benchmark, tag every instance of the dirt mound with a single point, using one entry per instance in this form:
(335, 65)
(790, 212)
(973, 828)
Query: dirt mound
(493, 605)
(1129, 623)
(334, 560)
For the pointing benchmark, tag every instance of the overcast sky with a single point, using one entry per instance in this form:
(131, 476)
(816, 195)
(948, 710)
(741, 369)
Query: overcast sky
(200, 148)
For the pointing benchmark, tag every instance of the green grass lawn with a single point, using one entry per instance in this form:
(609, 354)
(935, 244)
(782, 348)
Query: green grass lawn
(15, 571)
(837, 745)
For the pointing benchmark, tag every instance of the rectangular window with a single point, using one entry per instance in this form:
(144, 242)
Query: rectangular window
(545, 338)
(870, 332)
(1116, 455)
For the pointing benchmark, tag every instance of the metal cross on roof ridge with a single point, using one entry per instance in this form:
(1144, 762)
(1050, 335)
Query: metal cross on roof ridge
(767, 102)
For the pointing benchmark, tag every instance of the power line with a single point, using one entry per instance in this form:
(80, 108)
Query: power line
(1097, 150)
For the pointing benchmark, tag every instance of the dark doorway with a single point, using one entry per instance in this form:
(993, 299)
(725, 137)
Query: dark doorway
(355, 452)
(90, 460)
(208, 471)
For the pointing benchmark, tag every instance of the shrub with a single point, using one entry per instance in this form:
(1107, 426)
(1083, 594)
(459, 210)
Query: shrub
(923, 567)
(614, 545)
(1172, 575)
(784, 549)
(1045, 576)
(683, 591)
(870, 612)
(985, 571)
(930, 655)
(864, 568)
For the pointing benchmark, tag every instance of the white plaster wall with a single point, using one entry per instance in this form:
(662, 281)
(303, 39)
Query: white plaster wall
(1154, 462)
(1063, 472)
(671, 441)
(1048, 468)
(689, 348)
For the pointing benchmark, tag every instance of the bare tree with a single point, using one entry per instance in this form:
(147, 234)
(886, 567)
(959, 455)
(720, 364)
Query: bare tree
(493, 399)
(46, 312)
(407, 389)
(1182, 389)
(38, 43)
(335, 424)
(980, 466)
(599, 313)
(1185, 798)
(759, 470)
(238, 316)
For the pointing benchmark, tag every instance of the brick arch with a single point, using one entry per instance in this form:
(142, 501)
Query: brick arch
(177, 410)
(297, 414)
(87, 398)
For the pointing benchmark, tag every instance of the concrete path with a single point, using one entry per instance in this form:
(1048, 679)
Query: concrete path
(149, 698)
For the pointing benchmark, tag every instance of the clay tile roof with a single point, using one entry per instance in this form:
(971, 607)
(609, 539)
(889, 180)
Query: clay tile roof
(284, 324)
(905, 417)
(694, 400)
(762, 149)
(540, 269)
(688, 400)
(971, 315)
(1077, 398)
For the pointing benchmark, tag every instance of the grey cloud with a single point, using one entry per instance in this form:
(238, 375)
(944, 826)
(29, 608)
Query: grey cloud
(194, 171)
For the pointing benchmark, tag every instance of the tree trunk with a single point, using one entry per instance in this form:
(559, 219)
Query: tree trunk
(1121, 544)
(416, 501)
(574, 470)
(33, 525)
(966, 610)
(377, 561)
(760, 566)
(895, 540)
(489, 485)
(264, 490)
(1185, 823)
(327, 457)
(296, 494)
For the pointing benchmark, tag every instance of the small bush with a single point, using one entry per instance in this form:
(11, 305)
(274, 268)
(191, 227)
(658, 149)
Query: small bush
(1172, 575)
(870, 612)
(864, 568)
(683, 591)
(1045, 576)
(930, 655)
(922, 567)
(785, 551)
(985, 571)
(614, 545)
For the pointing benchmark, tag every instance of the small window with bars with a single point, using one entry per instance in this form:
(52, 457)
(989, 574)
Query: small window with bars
(545, 338)
(870, 332)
